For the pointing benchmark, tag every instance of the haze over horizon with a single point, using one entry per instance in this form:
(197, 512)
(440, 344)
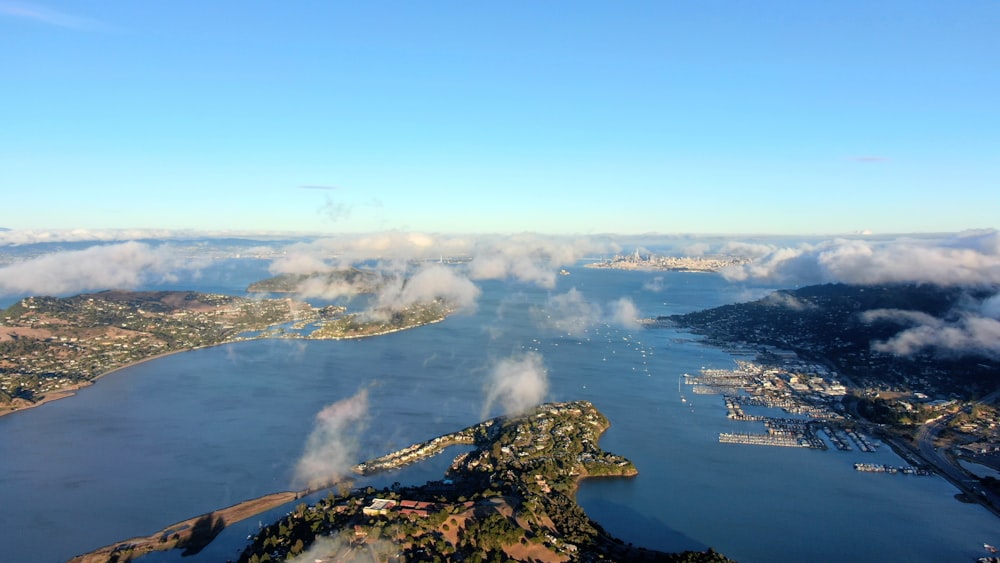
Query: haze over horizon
(646, 117)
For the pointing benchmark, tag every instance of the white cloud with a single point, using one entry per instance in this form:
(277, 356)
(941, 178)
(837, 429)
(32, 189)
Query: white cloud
(899, 316)
(516, 383)
(299, 263)
(429, 283)
(655, 285)
(115, 266)
(42, 14)
(787, 301)
(569, 313)
(572, 313)
(971, 258)
(529, 258)
(388, 246)
(968, 335)
(18, 237)
(332, 447)
(327, 548)
(961, 332)
(623, 312)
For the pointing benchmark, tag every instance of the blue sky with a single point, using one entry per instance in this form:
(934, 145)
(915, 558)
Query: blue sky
(553, 117)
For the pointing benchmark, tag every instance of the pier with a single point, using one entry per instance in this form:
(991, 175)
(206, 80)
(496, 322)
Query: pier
(838, 439)
(781, 440)
(861, 441)
(892, 469)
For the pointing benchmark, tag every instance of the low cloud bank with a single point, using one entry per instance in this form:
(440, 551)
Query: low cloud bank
(969, 258)
(971, 330)
(530, 258)
(572, 313)
(429, 283)
(394, 256)
(17, 237)
(516, 383)
(386, 247)
(332, 447)
(787, 301)
(115, 266)
(337, 549)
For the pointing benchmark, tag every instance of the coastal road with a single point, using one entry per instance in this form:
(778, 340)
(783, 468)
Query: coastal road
(946, 466)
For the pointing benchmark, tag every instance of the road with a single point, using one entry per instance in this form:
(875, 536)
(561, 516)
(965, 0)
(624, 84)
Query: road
(925, 452)
(946, 466)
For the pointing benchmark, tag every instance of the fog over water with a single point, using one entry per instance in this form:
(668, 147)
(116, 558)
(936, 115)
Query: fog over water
(170, 439)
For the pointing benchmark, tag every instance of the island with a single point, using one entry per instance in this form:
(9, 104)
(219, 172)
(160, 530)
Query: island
(636, 261)
(356, 280)
(510, 498)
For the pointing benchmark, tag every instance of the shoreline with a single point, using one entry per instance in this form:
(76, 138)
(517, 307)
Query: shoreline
(70, 390)
(370, 334)
(192, 533)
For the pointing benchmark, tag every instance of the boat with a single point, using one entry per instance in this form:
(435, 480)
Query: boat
(989, 548)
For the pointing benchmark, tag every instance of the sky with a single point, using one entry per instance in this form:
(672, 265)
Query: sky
(501, 117)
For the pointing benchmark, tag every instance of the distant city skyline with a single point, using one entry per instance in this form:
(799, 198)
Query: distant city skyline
(774, 118)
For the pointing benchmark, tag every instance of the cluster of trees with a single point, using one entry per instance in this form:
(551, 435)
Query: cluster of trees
(491, 533)
(299, 529)
(884, 411)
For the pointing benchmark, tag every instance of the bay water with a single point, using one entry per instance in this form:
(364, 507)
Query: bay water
(172, 438)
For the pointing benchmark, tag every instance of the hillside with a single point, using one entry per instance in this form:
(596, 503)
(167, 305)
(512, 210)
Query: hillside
(829, 323)
(511, 498)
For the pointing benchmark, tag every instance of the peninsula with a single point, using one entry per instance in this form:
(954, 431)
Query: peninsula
(51, 346)
(381, 321)
(637, 261)
(509, 498)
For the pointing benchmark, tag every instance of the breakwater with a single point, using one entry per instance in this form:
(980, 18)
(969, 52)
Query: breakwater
(893, 469)
(783, 440)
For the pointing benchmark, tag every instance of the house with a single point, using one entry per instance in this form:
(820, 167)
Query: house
(379, 506)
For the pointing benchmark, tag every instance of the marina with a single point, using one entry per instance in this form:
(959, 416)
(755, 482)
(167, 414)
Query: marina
(757, 385)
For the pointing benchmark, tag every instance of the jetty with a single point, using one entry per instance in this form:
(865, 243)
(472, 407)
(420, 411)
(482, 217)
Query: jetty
(781, 440)
(892, 469)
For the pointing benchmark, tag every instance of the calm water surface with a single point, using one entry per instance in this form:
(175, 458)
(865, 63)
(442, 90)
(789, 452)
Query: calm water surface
(166, 440)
